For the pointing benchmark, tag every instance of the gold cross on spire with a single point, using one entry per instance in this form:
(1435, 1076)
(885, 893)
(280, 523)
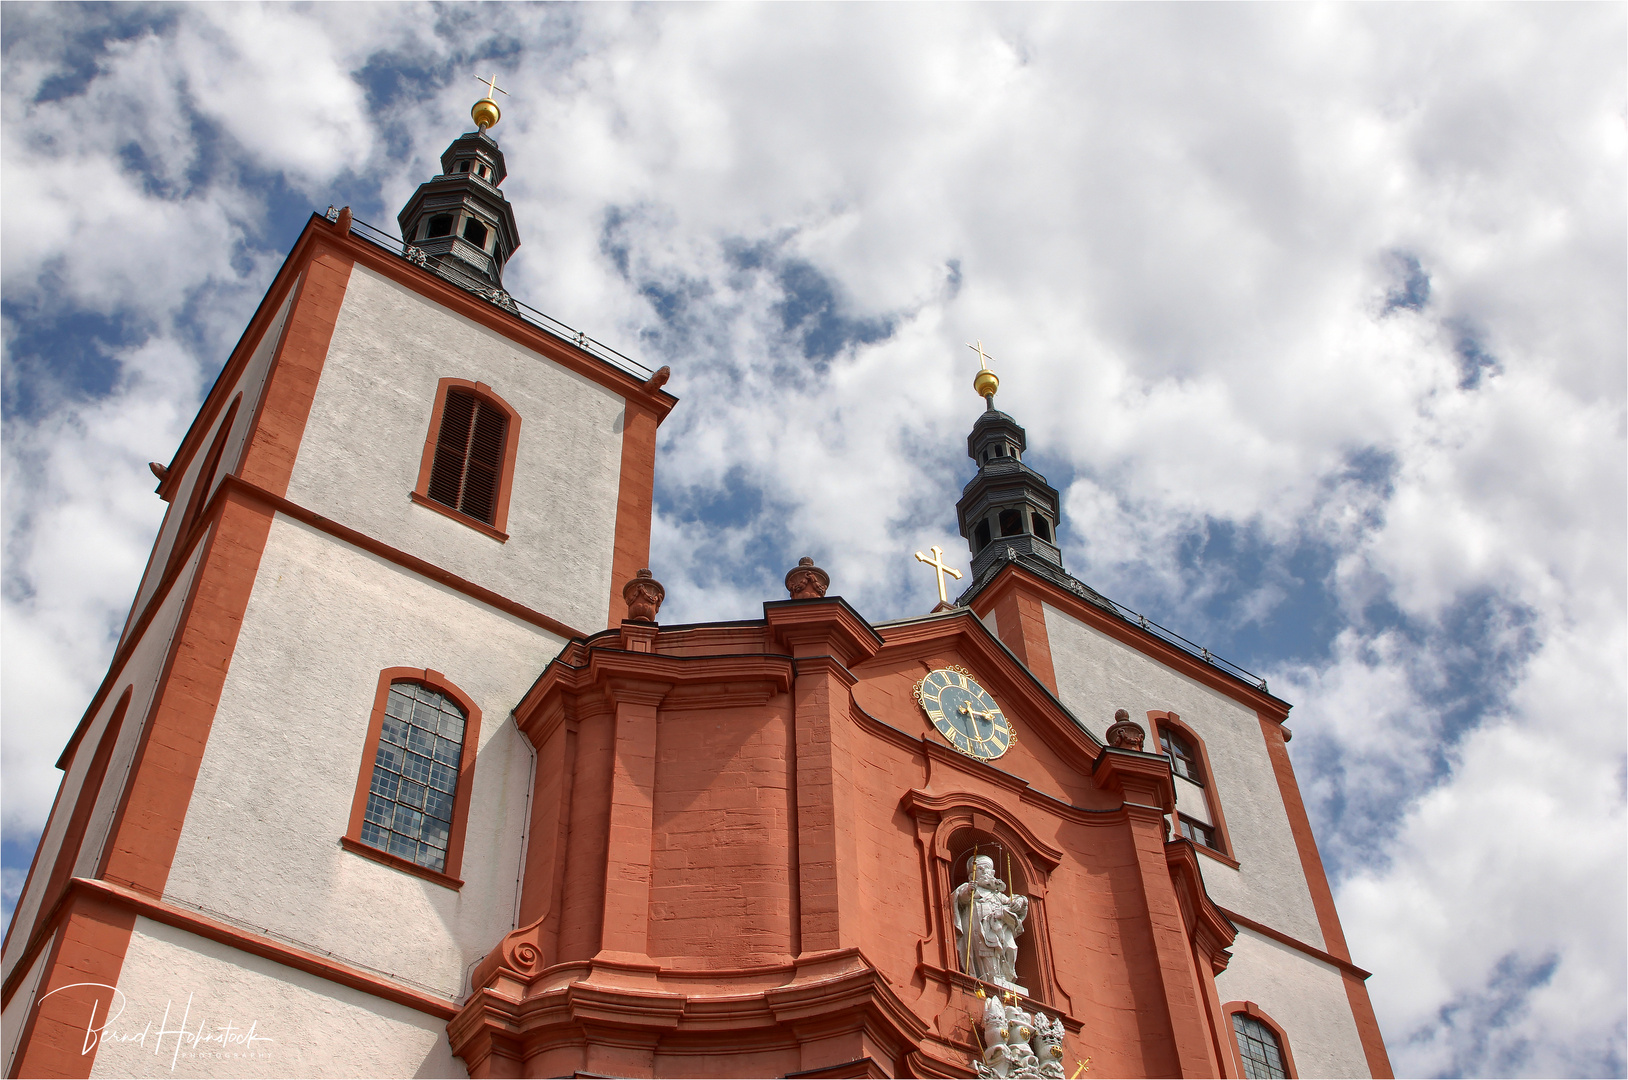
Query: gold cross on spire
(937, 563)
(986, 382)
(486, 113)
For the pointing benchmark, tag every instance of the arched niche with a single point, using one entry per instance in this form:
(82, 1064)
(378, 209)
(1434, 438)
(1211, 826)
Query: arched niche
(949, 827)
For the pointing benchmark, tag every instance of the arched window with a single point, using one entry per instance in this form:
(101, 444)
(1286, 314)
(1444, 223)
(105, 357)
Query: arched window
(1041, 529)
(412, 794)
(439, 225)
(475, 233)
(202, 486)
(980, 535)
(1263, 1049)
(1011, 522)
(469, 454)
(1198, 803)
(73, 837)
(1183, 758)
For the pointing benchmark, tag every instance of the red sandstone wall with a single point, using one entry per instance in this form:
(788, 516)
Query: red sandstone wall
(740, 862)
(721, 860)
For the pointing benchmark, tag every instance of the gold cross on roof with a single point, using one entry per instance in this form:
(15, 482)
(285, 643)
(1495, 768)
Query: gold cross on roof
(983, 357)
(491, 85)
(937, 563)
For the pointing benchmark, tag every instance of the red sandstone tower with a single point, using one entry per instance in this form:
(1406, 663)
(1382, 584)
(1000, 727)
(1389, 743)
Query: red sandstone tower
(396, 772)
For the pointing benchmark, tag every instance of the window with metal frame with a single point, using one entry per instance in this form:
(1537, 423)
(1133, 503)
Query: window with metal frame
(1259, 1047)
(1182, 756)
(414, 789)
(1199, 818)
(1197, 832)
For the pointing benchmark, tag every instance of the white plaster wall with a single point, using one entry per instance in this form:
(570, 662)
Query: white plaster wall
(360, 456)
(1305, 997)
(273, 796)
(316, 1027)
(1097, 674)
(15, 1016)
(141, 673)
(251, 383)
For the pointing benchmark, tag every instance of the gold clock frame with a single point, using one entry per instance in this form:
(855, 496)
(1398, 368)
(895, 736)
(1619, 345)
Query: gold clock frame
(921, 702)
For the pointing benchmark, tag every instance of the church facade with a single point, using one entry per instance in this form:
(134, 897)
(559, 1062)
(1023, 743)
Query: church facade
(396, 770)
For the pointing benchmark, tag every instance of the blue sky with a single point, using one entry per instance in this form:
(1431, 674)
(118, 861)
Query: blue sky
(1314, 315)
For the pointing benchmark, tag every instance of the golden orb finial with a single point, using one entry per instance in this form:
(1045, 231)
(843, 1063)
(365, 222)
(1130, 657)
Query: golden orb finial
(485, 112)
(986, 382)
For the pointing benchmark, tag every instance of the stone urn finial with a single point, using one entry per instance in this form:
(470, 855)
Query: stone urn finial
(644, 595)
(1126, 733)
(805, 581)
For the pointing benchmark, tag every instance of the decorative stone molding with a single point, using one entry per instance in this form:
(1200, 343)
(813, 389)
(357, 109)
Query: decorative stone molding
(1126, 733)
(644, 595)
(498, 297)
(805, 581)
(1020, 1045)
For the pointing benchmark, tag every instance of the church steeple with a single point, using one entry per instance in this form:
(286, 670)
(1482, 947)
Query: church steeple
(459, 220)
(1007, 506)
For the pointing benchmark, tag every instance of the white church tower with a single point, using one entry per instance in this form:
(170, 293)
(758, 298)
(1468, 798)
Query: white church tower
(402, 496)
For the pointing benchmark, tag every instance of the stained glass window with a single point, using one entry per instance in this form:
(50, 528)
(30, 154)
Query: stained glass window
(1258, 1044)
(415, 776)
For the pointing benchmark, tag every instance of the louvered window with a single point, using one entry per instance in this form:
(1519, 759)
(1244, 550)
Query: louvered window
(469, 452)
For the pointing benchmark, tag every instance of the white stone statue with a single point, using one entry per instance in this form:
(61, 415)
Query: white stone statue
(997, 1057)
(1018, 1045)
(1019, 1036)
(994, 921)
(1048, 1045)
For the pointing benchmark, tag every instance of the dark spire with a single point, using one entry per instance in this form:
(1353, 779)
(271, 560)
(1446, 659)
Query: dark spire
(1008, 512)
(460, 220)
(1007, 504)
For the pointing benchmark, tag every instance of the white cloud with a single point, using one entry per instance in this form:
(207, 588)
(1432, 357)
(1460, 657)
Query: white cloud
(1175, 228)
(80, 514)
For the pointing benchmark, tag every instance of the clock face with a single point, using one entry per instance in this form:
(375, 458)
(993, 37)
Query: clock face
(964, 713)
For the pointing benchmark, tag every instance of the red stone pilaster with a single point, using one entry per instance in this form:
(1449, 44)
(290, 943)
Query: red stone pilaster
(1209, 935)
(1020, 621)
(75, 993)
(826, 637)
(1144, 780)
(625, 934)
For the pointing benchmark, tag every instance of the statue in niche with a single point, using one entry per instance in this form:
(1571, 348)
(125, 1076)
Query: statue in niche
(993, 920)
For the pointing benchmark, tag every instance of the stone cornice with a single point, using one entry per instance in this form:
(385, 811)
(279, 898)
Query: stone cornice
(828, 626)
